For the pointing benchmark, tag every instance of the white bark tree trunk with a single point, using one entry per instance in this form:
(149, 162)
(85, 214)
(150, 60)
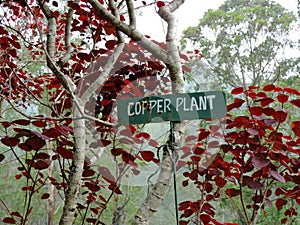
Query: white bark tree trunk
(74, 183)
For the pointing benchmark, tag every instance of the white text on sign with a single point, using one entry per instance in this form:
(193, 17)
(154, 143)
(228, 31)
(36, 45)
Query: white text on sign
(163, 105)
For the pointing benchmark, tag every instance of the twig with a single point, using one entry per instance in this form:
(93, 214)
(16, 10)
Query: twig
(132, 18)
(68, 33)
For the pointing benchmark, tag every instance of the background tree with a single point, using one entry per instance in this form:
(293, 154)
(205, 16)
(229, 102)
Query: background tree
(247, 42)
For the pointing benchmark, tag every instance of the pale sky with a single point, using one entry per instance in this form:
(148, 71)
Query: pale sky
(188, 15)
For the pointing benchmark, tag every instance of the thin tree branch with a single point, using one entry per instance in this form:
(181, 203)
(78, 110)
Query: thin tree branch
(51, 28)
(153, 48)
(132, 18)
(68, 35)
(110, 62)
(174, 64)
(116, 13)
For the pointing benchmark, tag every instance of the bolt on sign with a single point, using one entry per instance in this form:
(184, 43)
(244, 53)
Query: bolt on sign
(173, 107)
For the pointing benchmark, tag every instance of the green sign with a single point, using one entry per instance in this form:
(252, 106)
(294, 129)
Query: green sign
(173, 107)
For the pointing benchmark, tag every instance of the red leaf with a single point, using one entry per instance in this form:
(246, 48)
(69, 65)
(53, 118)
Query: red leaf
(52, 133)
(16, 44)
(195, 160)
(253, 87)
(277, 176)
(282, 98)
(220, 182)
(22, 122)
(126, 132)
(280, 116)
(10, 141)
(153, 143)
(106, 102)
(18, 176)
(5, 124)
(186, 69)
(41, 164)
(126, 141)
(106, 174)
(111, 44)
(187, 213)
(103, 143)
(65, 153)
(39, 123)
(147, 155)
(182, 222)
(55, 4)
(92, 186)
(185, 183)
(17, 214)
(9, 220)
(88, 173)
(25, 147)
(25, 174)
(226, 148)
(184, 205)
(231, 192)
(198, 150)
(117, 151)
(205, 218)
(190, 138)
(38, 134)
(251, 94)
(27, 188)
(265, 101)
(160, 4)
(109, 29)
(278, 89)
(180, 164)
(214, 128)
(236, 104)
(261, 94)
(42, 155)
(45, 196)
(292, 91)
(252, 131)
(256, 110)
(268, 111)
(144, 135)
(128, 158)
(296, 128)
(115, 189)
(260, 162)
(296, 102)
(35, 143)
(213, 144)
(203, 135)
(280, 203)
(254, 185)
(237, 90)
(2, 157)
(269, 87)
(91, 220)
(278, 146)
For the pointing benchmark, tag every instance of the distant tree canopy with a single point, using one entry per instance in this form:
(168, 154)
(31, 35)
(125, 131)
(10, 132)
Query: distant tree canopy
(247, 42)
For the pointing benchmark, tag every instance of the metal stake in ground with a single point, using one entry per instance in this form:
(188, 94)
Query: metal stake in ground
(173, 157)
